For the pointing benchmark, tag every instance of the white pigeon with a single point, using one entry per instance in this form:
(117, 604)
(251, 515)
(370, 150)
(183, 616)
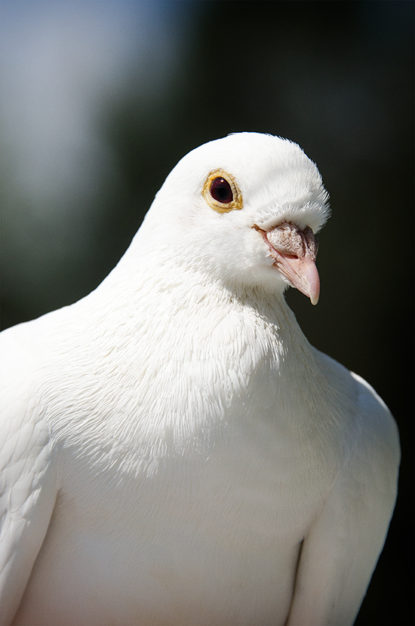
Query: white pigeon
(173, 451)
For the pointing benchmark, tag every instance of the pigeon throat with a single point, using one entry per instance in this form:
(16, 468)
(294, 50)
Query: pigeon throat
(294, 253)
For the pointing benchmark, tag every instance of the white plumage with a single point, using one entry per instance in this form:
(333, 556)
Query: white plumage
(173, 450)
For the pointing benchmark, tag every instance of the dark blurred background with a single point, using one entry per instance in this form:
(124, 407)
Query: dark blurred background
(98, 101)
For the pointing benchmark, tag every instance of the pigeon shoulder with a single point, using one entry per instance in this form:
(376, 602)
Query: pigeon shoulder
(22, 353)
(31, 355)
(343, 544)
(372, 438)
(28, 476)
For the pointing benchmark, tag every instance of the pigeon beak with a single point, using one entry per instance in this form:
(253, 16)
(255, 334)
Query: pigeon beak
(301, 273)
(294, 252)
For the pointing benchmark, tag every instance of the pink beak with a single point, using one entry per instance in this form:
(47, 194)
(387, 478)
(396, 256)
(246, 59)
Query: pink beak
(294, 252)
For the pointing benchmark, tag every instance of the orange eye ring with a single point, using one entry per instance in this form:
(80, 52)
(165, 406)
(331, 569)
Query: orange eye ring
(221, 192)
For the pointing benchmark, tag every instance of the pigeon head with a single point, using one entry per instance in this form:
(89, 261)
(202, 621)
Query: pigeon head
(245, 209)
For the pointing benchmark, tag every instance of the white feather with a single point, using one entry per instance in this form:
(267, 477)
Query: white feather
(173, 450)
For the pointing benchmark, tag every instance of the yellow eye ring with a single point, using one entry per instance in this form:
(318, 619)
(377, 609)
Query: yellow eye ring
(221, 192)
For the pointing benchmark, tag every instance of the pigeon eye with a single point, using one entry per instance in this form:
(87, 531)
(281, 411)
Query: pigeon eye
(221, 192)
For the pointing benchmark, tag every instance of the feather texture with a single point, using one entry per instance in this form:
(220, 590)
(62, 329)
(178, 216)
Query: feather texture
(173, 450)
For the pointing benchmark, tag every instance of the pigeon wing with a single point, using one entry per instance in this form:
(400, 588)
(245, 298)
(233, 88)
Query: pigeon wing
(340, 552)
(27, 476)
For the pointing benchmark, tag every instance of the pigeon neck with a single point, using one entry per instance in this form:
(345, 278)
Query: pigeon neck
(142, 287)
